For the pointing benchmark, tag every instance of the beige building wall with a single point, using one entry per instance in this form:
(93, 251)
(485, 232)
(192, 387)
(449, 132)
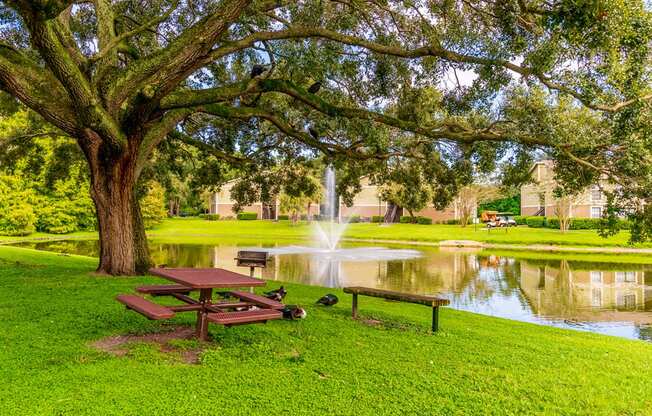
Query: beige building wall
(366, 204)
(538, 195)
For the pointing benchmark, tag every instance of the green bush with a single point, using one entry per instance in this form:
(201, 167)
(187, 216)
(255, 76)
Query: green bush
(247, 216)
(377, 218)
(452, 222)
(406, 219)
(424, 220)
(152, 205)
(284, 217)
(535, 222)
(520, 220)
(17, 220)
(210, 217)
(353, 219)
(55, 219)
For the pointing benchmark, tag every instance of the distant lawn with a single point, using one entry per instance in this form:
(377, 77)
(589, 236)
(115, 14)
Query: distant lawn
(194, 230)
(52, 309)
(403, 232)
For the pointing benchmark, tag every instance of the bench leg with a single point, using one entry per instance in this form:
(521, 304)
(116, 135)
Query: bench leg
(435, 318)
(354, 307)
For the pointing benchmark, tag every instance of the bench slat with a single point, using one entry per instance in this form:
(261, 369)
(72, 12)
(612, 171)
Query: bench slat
(244, 317)
(163, 289)
(144, 307)
(391, 295)
(258, 300)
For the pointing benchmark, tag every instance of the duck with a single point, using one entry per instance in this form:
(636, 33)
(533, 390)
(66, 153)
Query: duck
(294, 312)
(328, 300)
(277, 294)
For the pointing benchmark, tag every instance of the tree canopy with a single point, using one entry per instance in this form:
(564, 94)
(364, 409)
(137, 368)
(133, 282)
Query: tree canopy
(365, 84)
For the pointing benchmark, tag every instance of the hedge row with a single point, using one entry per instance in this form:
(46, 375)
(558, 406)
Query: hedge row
(210, 217)
(406, 219)
(575, 223)
(247, 216)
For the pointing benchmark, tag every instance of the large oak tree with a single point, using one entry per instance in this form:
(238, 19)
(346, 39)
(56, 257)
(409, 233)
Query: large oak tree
(246, 79)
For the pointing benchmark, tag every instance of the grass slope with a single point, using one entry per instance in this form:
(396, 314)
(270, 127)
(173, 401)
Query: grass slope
(326, 364)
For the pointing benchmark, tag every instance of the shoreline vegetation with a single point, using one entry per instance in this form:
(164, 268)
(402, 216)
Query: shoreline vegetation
(522, 238)
(56, 312)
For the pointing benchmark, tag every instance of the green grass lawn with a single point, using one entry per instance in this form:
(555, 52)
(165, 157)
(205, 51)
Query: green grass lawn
(203, 229)
(196, 230)
(52, 309)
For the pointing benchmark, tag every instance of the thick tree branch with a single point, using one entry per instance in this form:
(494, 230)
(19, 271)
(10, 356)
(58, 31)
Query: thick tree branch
(435, 50)
(37, 89)
(155, 76)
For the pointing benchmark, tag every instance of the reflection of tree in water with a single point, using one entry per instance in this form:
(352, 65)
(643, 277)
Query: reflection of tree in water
(644, 332)
(182, 255)
(483, 277)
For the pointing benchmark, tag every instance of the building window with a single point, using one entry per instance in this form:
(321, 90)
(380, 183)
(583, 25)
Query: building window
(596, 277)
(627, 301)
(625, 277)
(596, 212)
(596, 297)
(596, 194)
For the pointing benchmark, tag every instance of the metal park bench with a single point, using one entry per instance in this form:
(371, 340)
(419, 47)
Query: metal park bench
(431, 301)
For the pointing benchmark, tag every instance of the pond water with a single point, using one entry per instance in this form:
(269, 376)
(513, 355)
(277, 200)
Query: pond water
(607, 298)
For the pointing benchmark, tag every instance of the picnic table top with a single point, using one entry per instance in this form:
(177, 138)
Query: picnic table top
(206, 278)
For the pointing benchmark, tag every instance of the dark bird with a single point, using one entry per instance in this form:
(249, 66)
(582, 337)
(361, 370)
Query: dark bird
(314, 88)
(294, 312)
(277, 294)
(328, 300)
(257, 70)
(314, 133)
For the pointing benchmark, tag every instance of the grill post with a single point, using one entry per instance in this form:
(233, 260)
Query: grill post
(354, 307)
(435, 318)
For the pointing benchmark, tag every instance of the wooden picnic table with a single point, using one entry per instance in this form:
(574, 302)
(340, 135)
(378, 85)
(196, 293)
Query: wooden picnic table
(205, 281)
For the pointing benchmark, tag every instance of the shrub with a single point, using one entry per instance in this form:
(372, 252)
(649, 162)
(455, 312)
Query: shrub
(452, 222)
(353, 219)
(55, 219)
(520, 220)
(553, 223)
(152, 205)
(406, 219)
(424, 220)
(17, 220)
(247, 216)
(535, 222)
(210, 217)
(284, 217)
(377, 218)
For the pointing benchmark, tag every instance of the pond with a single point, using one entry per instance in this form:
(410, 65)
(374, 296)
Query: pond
(607, 298)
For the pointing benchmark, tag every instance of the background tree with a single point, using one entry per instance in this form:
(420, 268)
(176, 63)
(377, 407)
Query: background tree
(470, 197)
(122, 76)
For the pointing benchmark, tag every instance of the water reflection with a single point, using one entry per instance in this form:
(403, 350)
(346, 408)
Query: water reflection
(608, 298)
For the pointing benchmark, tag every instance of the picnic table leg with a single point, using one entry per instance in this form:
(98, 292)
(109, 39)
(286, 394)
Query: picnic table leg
(354, 307)
(435, 318)
(201, 330)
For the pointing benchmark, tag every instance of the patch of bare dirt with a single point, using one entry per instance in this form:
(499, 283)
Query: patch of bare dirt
(118, 344)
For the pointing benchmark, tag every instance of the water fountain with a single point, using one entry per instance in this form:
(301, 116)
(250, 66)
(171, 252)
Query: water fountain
(328, 232)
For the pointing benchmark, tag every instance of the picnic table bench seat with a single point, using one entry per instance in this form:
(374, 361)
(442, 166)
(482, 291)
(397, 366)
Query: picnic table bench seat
(144, 307)
(258, 300)
(244, 317)
(432, 301)
(156, 290)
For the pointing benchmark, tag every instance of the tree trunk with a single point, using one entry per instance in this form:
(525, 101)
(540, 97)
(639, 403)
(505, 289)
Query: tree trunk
(123, 243)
